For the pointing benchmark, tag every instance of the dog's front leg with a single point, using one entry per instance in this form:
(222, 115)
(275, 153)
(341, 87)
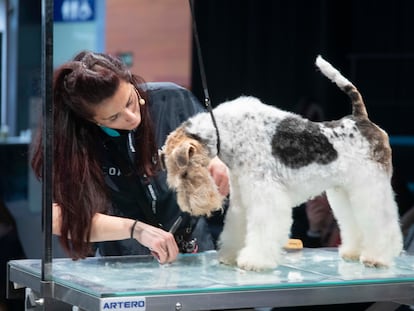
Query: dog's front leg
(232, 238)
(269, 218)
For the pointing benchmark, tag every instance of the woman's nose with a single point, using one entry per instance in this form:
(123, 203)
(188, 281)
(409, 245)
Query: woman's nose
(129, 115)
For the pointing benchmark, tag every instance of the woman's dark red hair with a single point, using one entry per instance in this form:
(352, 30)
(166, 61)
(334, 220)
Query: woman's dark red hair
(78, 181)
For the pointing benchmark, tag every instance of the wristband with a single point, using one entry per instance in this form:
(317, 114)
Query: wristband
(133, 228)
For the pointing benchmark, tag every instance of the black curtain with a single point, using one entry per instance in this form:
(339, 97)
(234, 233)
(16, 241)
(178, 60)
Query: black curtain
(267, 48)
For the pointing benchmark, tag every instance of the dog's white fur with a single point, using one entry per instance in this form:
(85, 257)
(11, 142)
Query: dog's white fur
(278, 160)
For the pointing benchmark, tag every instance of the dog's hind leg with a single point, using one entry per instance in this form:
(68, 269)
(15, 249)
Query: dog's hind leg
(269, 218)
(350, 248)
(378, 221)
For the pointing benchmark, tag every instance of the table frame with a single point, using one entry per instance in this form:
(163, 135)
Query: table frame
(400, 292)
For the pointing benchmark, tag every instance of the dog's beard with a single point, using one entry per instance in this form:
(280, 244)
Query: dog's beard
(186, 161)
(197, 193)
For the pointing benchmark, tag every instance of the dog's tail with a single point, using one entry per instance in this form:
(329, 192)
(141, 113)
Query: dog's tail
(358, 106)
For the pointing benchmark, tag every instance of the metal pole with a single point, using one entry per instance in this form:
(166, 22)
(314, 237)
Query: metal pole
(3, 60)
(47, 81)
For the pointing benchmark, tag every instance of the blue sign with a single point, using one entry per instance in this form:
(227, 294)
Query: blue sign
(73, 10)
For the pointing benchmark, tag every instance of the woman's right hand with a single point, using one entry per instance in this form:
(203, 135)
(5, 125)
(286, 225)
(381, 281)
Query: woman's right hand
(161, 243)
(319, 213)
(111, 228)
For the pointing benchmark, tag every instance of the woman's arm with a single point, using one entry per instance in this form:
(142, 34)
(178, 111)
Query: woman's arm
(111, 228)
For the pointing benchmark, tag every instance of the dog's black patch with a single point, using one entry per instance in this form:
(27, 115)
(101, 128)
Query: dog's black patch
(298, 143)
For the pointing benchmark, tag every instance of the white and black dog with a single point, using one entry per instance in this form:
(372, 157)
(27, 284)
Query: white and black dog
(278, 160)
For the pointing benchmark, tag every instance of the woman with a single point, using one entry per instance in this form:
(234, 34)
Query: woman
(315, 224)
(107, 185)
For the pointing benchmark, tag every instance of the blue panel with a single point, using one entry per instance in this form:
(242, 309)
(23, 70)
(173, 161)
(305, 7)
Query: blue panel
(402, 140)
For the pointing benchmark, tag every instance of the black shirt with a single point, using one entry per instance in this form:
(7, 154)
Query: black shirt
(170, 105)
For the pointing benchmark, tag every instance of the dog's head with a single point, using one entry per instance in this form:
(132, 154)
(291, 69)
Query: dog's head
(186, 160)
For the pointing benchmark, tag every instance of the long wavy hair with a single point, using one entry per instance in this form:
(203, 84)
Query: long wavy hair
(78, 181)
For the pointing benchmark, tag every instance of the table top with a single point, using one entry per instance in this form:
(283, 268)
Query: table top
(143, 276)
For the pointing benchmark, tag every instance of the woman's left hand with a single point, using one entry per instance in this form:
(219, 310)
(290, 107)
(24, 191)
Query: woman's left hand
(220, 174)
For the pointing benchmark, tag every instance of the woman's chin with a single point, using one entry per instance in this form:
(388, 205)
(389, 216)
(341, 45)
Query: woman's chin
(133, 126)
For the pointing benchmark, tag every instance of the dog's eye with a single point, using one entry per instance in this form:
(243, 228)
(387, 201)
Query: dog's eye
(184, 175)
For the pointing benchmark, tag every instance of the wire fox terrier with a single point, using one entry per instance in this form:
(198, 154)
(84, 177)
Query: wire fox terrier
(278, 160)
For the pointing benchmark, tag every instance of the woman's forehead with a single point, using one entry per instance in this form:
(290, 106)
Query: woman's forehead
(114, 104)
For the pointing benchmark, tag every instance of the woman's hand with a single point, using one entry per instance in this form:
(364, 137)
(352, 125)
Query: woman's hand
(161, 243)
(319, 213)
(111, 228)
(220, 174)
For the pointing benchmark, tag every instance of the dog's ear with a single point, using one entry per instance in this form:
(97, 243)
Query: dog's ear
(183, 154)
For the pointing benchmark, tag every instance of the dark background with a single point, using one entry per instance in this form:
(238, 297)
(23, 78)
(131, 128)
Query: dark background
(267, 49)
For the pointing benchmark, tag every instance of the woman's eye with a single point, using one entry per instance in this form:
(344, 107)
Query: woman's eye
(113, 118)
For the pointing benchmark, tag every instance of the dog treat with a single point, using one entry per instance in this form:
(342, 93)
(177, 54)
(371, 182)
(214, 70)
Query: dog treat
(294, 244)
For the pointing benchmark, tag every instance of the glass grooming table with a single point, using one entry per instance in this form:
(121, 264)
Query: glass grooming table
(200, 282)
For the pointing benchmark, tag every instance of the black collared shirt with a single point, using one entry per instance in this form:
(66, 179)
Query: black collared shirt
(170, 105)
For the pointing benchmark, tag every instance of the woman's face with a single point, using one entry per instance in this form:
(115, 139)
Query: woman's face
(120, 111)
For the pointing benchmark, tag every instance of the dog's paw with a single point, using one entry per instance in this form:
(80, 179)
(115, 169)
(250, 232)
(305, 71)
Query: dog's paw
(227, 258)
(255, 261)
(227, 261)
(374, 263)
(349, 255)
(255, 265)
(377, 260)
